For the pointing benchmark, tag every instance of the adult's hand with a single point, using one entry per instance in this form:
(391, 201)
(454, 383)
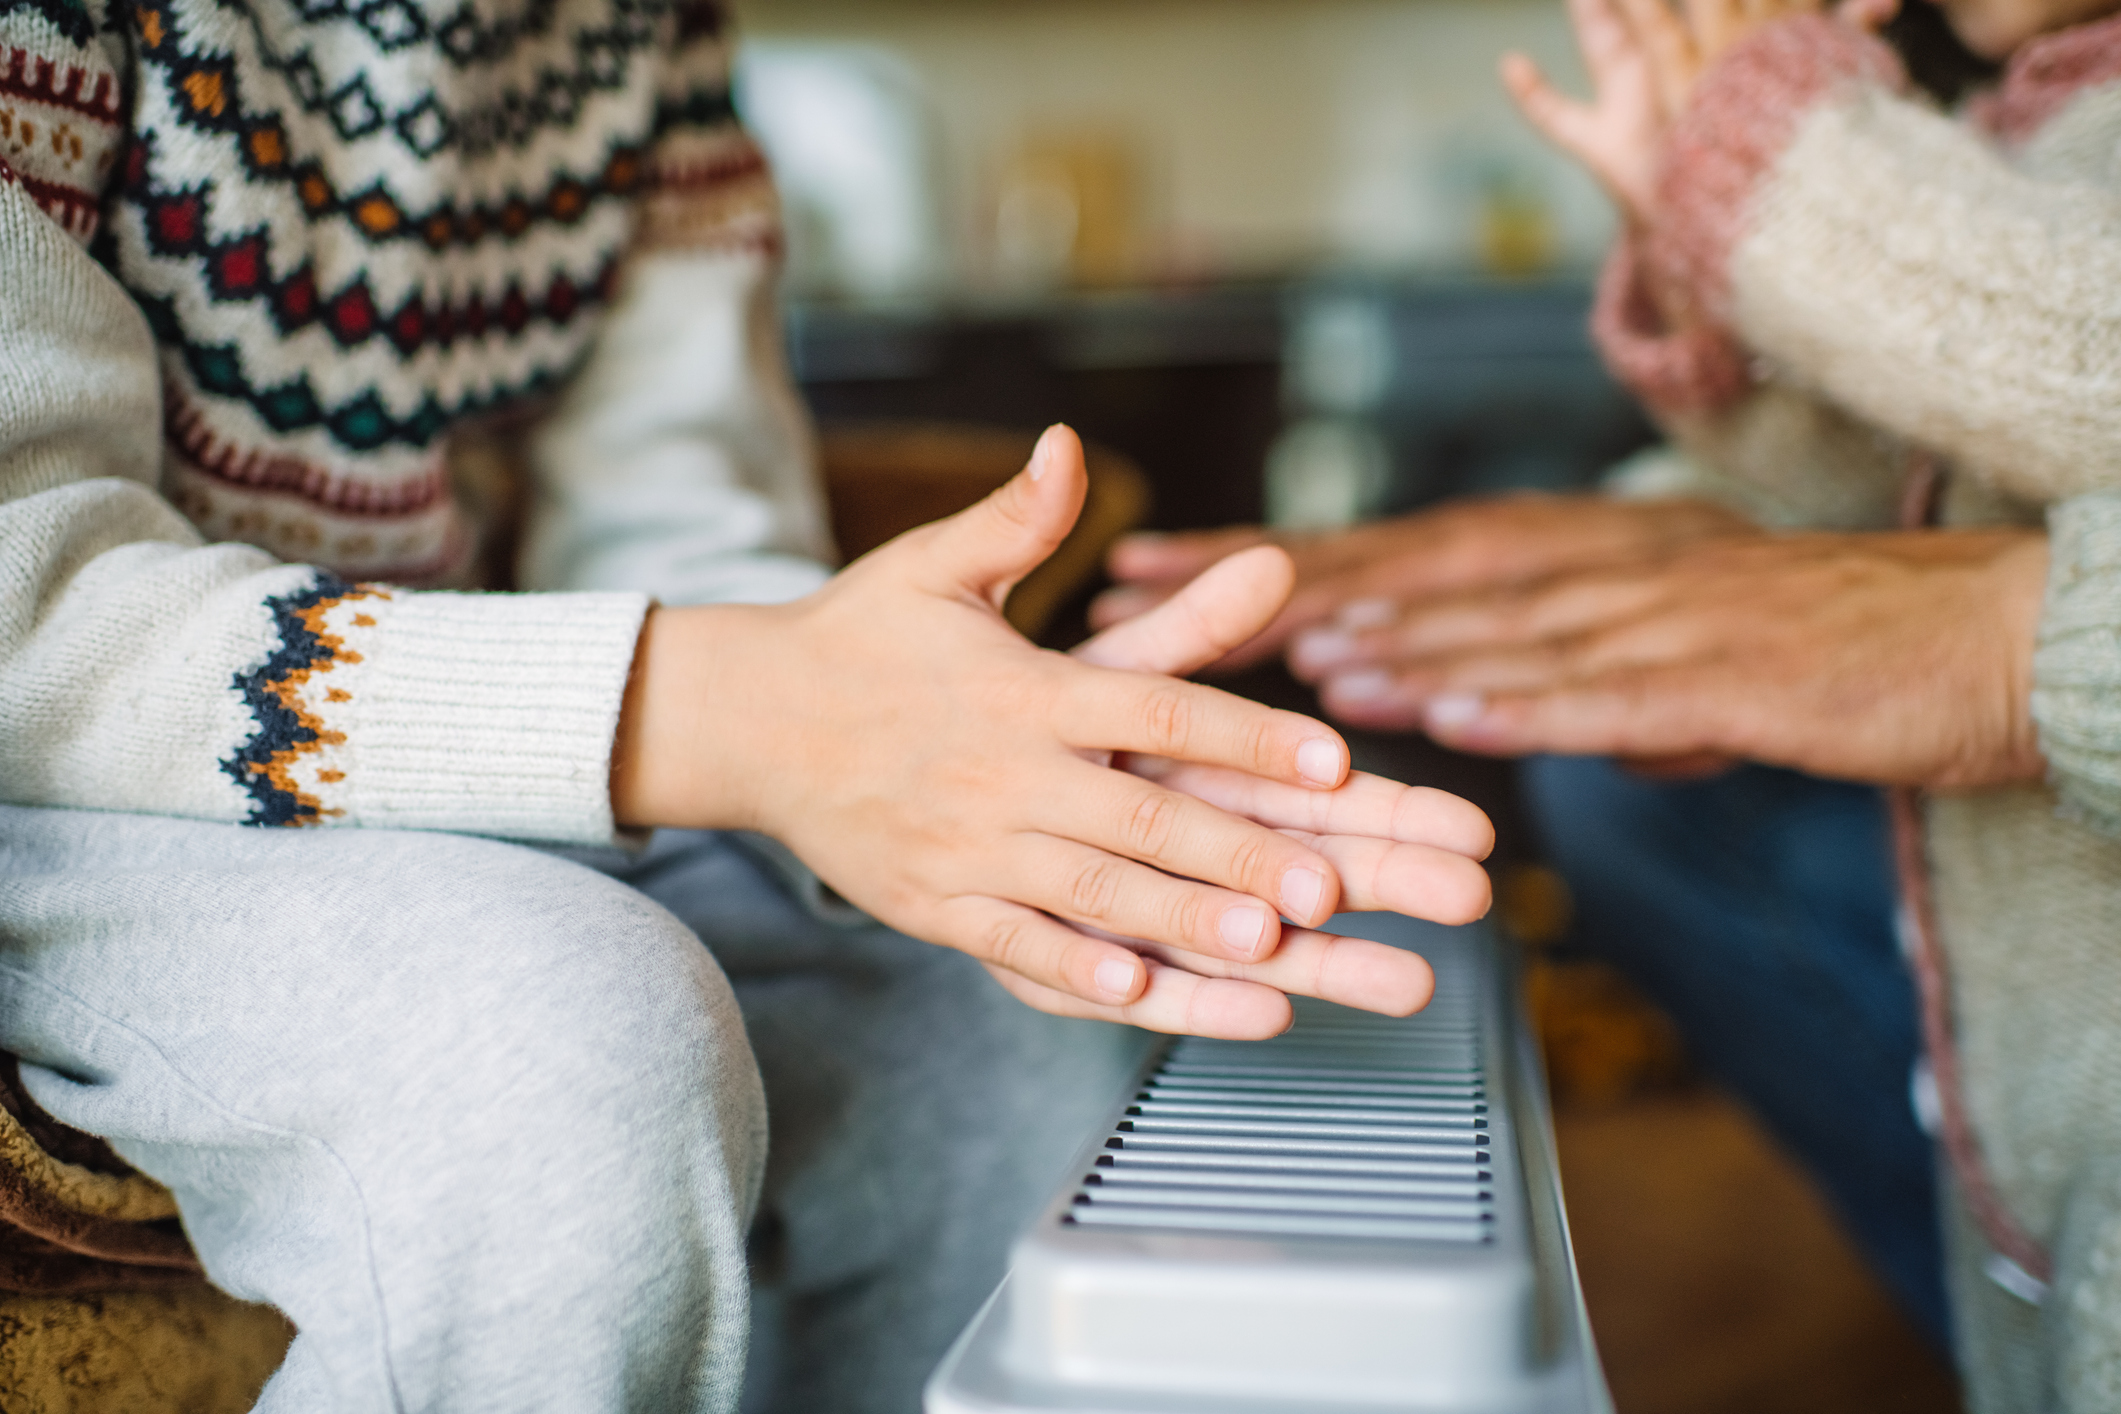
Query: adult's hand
(944, 774)
(1458, 548)
(1902, 658)
(1644, 58)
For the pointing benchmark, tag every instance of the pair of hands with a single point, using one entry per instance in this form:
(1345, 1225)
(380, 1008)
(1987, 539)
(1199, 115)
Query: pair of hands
(1110, 841)
(1645, 58)
(1670, 633)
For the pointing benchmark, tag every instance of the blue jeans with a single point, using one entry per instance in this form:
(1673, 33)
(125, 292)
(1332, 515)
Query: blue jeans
(1757, 908)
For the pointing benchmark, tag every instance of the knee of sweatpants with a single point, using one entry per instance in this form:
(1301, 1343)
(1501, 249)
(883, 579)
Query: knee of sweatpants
(574, 1034)
(480, 1055)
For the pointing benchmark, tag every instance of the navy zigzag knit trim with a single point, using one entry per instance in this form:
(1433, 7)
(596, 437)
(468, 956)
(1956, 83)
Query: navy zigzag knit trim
(280, 729)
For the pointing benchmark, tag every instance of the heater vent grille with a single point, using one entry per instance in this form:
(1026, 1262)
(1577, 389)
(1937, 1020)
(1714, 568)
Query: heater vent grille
(1350, 1126)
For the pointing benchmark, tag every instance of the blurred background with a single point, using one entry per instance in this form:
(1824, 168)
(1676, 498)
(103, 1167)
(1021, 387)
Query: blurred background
(1299, 261)
(1298, 258)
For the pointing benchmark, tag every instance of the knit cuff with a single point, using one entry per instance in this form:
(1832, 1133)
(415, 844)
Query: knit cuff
(2077, 663)
(1745, 111)
(1699, 369)
(489, 714)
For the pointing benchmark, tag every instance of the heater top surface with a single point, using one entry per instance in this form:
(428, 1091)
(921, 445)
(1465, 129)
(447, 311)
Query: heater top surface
(1361, 1214)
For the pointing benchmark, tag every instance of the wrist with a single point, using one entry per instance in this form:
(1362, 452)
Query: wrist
(687, 753)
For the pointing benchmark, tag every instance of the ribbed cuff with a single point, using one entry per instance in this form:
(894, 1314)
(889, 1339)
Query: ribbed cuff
(1745, 111)
(1699, 369)
(2077, 664)
(491, 714)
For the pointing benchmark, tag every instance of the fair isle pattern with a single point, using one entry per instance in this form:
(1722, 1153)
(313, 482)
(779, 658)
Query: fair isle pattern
(354, 227)
(61, 114)
(292, 765)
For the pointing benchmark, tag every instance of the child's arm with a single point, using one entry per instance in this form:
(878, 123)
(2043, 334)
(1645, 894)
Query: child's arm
(948, 777)
(143, 671)
(679, 462)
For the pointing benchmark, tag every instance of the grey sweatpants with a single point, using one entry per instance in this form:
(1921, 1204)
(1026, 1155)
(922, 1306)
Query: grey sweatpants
(486, 1123)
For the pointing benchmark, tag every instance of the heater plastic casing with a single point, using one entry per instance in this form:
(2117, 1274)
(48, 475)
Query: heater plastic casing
(1362, 1215)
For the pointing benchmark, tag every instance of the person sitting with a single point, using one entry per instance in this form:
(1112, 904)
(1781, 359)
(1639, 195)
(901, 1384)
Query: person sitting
(1827, 288)
(327, 897)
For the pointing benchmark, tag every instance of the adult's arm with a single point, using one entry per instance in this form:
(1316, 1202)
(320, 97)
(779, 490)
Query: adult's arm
(1954, 285)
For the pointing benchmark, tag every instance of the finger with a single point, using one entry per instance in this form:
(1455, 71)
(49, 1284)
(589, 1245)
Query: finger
(1103, 709)
(985, 550)
(1644, 712)
(1869, 15)
(1401, 695)
(1153, 556)
(1352, 972)
(1519, 616)
(1569, 125)
(1175, 1002)
(1250, 867)
(1694, 766)
(1409, 691)
(1366, 805)
(1718, 24)
(1126, 601)
(1668, 45)
(1221, 610)
(1382, 876)
(1031, 945)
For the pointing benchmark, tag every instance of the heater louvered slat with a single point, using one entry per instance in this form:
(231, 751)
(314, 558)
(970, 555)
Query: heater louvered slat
(1240, 1135)
(1360, 1217)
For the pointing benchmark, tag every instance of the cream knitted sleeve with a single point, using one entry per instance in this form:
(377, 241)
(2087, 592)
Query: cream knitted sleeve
(143, 671)
(1942, 284)
(2077, 664)
(679, 461)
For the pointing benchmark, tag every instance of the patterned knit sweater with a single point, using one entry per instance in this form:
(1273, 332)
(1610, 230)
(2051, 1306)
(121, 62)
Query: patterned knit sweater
(1861, 275)
(270, 267)
(271, 271)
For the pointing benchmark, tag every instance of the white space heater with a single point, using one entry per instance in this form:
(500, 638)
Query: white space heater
(1361, 1215)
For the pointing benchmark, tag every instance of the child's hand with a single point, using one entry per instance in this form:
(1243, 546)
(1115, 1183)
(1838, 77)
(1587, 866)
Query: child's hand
(1644, 59)
(928, 762)
(1399, 848)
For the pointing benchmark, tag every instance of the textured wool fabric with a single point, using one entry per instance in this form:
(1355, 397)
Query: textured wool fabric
(339, 236)
(141, 670)
(480, 1121)
(511, 1167)
(1953, 284)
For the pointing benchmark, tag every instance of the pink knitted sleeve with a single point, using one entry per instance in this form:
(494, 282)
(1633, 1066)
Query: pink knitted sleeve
(1744, 113)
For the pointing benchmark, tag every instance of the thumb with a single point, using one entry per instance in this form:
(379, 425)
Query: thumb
(985, 550)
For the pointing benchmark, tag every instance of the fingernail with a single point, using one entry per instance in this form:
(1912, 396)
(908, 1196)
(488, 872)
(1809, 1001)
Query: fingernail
(1455, 709)
(1042, 454)
(1318, 762)
(1365, 686)
(1301, 889)
(1115, 978)
(1244, 929)
(1319, 649)
(1367, 613)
